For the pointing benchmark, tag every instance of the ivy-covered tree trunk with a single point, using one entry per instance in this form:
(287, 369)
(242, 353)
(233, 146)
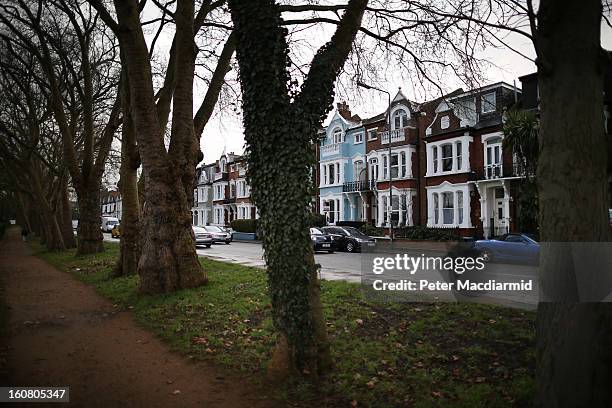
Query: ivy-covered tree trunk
(280, 163)
(574, 357)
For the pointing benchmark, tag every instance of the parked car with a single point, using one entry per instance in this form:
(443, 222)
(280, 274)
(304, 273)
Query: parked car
(322, 241)
(349, 239)
(202, 237)
(219, 234)
(513, 247)
(108, 223)
(116, 231)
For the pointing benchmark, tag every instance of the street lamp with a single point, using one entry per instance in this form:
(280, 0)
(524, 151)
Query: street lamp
(366, 86)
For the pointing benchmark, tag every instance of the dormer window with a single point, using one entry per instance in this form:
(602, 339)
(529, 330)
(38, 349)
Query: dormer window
(337, 135)
(487, 103)
(444, 122)
(400, 119)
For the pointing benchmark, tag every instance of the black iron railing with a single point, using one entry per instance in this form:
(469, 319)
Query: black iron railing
(361, 185)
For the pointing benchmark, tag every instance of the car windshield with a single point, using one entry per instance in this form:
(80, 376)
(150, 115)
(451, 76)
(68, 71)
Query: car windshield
(211, 228)
(532, 238)
(112, 222)
(315, 231)
(355, 232)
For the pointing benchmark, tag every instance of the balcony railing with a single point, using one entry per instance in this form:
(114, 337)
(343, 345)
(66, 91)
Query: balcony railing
(496, 171)
(220, 176)
(356, 186)
(397, 135)
(229, 200)
(328, 150)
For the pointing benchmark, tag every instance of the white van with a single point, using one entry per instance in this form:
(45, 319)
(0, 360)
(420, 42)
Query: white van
(108, 223)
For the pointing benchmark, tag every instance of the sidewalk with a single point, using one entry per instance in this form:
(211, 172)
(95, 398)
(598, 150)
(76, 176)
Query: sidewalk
(61, 333)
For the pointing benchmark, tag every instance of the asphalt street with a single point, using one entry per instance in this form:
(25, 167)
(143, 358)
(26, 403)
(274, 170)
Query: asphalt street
(348, 267)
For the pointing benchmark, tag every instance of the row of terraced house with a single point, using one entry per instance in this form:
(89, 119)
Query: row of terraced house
(222, 194)
(448, 168)
(446, 159)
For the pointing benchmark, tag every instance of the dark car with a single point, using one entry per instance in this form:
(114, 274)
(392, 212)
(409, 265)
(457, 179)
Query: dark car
(349, 239)
(513, 247)
(322, 241)
(218, 234)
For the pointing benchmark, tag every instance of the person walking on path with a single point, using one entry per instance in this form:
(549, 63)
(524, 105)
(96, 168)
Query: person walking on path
(24, 234)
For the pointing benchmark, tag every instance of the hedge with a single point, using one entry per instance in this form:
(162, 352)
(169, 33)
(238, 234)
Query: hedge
(249, 226)
(414, 233)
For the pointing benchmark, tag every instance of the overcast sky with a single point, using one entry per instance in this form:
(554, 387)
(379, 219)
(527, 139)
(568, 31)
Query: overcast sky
(224, 130)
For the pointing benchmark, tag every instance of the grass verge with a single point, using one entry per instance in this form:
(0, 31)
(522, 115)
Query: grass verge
(386, 355)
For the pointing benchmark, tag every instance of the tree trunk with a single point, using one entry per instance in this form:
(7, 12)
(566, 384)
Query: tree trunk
(574, 358)
(64, 214)
(280, 165)
(129, 254)
(168, 258)
(89, 234)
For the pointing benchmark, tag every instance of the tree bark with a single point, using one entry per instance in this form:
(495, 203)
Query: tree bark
(574, 360)
(168, 258)
(280, 164)
(129, 253)
(64, 213)
(89, 234)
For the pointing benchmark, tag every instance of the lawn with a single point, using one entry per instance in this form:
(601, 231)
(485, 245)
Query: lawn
(386, 355)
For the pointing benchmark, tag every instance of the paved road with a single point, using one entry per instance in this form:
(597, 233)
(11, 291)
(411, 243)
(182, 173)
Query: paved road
(336, 266)
(348, 267)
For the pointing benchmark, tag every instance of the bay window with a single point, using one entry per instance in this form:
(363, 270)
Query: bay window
(458, 158)
(447, 157)
(448, 208)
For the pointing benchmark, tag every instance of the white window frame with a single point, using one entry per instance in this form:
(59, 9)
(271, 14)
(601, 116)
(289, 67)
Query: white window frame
(436, 210)
(358, 138)
(488, 107)
(403, 119)
(434, 156)
(371, 132)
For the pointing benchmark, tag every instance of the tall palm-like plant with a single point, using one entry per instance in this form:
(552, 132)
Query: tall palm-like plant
(521, 135)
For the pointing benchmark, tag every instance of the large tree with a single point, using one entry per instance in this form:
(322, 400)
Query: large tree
(168, 260)
(280, 162)
(573, 334)
(75, 57)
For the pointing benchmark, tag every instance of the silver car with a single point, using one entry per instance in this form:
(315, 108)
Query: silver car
(202, 237)
(218, 234)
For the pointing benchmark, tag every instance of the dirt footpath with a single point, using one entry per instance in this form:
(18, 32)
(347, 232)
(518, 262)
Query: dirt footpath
(61, 333)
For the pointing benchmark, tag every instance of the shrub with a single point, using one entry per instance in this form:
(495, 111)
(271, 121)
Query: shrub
(317, 220)
(372, 230)
(413, 233)
(356, 224)
(249, 226)
(425, 233)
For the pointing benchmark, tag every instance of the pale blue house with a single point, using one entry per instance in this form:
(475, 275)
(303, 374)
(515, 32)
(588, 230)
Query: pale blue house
(343, 171)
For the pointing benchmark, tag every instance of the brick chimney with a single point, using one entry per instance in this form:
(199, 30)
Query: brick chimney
(343, 110)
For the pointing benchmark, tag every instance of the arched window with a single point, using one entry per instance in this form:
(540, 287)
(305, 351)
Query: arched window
(373, 169)
(337, 135)
(358, 173)
(400, 119)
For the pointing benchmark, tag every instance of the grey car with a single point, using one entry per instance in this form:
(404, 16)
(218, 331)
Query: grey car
(218, 234)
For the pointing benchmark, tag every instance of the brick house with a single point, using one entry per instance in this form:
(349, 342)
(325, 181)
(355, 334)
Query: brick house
(231, 194)
(447, 163)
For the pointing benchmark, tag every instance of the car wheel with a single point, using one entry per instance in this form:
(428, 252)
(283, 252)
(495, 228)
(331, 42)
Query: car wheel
(227, 242)
(331, 252)
(486, 255)
(350, 246)
(208, 245)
